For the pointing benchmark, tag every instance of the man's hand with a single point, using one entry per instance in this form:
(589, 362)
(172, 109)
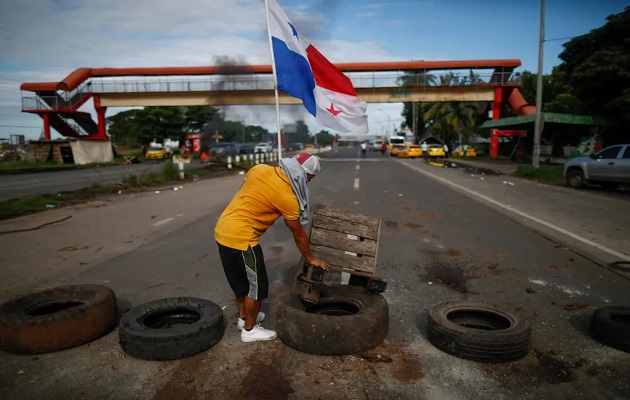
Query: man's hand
(301, 240)
(318, 262)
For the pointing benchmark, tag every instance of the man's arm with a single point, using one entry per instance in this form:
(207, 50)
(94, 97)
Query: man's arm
(301, 240)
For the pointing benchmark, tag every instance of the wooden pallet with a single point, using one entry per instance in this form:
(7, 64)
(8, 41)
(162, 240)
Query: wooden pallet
(347, 241)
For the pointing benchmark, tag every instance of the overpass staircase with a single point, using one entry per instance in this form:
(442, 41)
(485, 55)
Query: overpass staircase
(62, 111)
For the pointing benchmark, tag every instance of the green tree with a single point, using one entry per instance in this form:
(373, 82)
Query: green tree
(454, 119)
(123, 127)
(159, 123)
(324, 138)
(198, 117)
(597, 68)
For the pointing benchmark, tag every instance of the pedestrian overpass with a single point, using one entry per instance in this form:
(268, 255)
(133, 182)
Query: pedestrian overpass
(58, 103)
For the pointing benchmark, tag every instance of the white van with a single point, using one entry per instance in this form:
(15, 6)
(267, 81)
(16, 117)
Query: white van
(376, 145)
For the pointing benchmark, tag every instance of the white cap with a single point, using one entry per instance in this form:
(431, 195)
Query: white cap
(309, 163)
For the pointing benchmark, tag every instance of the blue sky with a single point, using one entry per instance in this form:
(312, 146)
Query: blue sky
(45, 40)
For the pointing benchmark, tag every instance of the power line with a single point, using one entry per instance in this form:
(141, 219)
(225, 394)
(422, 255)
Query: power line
(9, 79)
(20, 126)
(562, 38)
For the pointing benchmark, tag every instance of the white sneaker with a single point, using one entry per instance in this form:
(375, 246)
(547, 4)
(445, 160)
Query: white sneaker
(257, 334)
(259, 318)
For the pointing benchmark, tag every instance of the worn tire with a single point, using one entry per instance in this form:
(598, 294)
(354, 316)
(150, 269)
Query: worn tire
(147, 331)
(363, 328)
(57, 319)
(478, 331)
(611, 326)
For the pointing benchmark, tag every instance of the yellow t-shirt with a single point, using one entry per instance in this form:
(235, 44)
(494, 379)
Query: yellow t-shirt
(265, 195)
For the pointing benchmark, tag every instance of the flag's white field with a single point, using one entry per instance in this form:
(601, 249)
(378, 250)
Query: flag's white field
(303, 72)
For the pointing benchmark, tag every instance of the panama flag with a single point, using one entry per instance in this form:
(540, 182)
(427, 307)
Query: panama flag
(303, 72)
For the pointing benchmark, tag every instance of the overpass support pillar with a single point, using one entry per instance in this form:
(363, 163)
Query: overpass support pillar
(102, 123)
(496, 114)
(46, 119)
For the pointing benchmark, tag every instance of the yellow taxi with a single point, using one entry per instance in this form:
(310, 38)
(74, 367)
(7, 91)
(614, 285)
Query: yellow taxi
(309, 147)
(435, 150)
(470, 152)
(156, 153)
(396, 149)
(410, 151)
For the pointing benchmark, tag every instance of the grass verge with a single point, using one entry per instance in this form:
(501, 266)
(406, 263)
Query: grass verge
(545, 173)
(137, 183)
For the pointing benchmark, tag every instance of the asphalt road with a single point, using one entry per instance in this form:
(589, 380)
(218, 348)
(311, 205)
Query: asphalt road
(435, 245)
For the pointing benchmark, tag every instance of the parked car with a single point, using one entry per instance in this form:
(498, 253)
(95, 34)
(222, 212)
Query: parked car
(435, 150)
(471, 152)
(376, 145)
(225, 149)
(396, 149)
(246, 149)
(263, 148)
(608, 168)
(296, 146)
(411, 151)
(157, 153)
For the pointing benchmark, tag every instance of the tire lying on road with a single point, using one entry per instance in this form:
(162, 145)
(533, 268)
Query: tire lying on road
(57, 319)
(611, 326)
(478, 331)
(345, 320)
(171, 328)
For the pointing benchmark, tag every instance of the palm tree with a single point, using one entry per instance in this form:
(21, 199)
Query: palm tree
(416, 78)
(453, 117)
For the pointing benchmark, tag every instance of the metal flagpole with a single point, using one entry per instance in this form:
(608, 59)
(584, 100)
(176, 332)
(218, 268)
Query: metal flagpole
(275, 82)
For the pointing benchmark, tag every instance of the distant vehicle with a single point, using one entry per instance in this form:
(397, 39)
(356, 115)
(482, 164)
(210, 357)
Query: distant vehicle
(411, 151)
(376, 145)
(263, 148)
(296, 146)
(397, 149)
(157, 152)
(395, 141)
(309, 147)
(225, 149)
(435, 150)
(246, 149)
(608, 168)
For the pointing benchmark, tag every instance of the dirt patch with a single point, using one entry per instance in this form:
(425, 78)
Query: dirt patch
(182, 383)
(537, 367)
(557, 267)
(264, 380)
(451, 272)
(405, 367)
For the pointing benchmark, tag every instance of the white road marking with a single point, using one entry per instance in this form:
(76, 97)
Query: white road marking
(524, 215)
(356, 183)
(164, 221)
(358, 167)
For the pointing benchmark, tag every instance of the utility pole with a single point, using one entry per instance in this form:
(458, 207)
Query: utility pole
(243, 130)
(538, 122)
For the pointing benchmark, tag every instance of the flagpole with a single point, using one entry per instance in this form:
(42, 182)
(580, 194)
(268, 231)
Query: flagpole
(275, 82)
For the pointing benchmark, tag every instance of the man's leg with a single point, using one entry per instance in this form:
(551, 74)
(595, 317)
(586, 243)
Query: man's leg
(251, 308)
(254, 263)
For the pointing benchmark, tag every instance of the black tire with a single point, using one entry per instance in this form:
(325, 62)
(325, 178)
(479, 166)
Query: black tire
(171, 328)
(575, 178)
(478, 331)
(57, 319)
(361, 321)
(611, 326)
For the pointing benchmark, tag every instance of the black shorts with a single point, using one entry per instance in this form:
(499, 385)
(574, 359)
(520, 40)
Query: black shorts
(245, 271)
